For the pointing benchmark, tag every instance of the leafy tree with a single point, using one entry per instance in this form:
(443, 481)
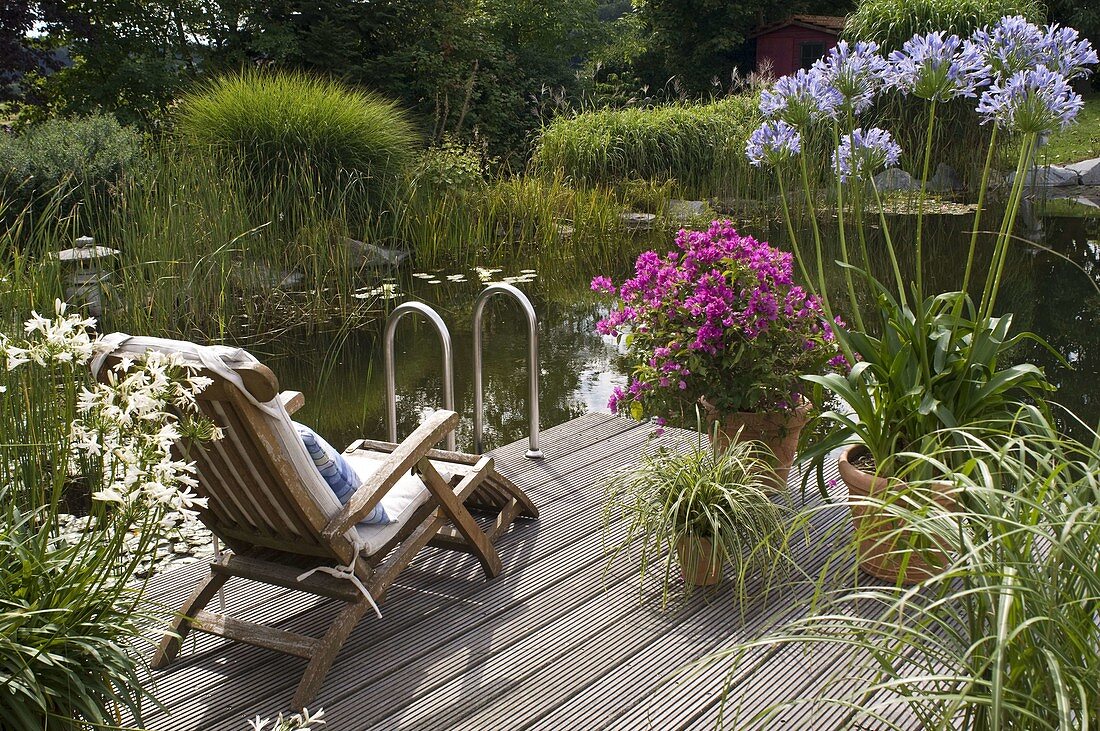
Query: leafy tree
(698, 43)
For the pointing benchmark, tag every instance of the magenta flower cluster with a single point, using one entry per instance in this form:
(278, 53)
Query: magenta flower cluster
(719, 317)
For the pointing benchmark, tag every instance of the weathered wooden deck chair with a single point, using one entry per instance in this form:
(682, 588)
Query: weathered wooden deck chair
(284, 526)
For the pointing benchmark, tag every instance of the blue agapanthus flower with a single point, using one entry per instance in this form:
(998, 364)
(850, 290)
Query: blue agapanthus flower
(861, 153)
(1016, 44)
(938, 66)
(1013, 44)
(857, 72)
(773, 143)
(1037, 100)
(801, 99)
(1067, 53)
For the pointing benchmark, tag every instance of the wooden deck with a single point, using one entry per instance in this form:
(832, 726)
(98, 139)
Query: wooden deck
(559, 641)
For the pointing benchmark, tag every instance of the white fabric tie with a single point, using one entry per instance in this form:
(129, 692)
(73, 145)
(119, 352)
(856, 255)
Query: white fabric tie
(347, 573)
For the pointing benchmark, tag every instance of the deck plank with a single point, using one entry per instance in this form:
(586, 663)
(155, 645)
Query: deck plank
(560, 640)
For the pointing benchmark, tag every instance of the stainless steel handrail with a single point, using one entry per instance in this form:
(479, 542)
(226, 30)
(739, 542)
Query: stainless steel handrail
(391, 366)
(533, 451)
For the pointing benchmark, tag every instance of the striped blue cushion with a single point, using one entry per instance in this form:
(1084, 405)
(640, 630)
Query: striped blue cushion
(336, 472)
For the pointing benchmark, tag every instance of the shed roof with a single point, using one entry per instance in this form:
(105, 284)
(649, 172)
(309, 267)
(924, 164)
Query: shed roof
(825, 23)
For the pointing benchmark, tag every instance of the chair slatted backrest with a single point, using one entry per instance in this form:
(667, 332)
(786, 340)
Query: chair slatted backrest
(259, 481)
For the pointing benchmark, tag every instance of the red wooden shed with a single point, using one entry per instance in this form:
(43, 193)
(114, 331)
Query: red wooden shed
(796, 42)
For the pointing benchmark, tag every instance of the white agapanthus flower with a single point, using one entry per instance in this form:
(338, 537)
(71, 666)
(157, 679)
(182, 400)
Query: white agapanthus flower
(297, 722)
(128, 424)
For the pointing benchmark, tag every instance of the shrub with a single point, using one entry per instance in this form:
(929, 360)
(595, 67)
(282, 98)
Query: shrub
(451, 165)
(274, 123)
(890, 23)
(63, 162)
(699, 145)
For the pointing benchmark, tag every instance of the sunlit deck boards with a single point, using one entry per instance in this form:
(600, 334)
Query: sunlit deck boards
(559, 641)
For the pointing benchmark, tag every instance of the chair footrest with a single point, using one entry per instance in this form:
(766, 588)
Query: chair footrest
(252, 633)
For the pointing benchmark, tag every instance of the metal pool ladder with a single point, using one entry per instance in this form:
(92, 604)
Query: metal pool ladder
(391, 365)
(533, 451)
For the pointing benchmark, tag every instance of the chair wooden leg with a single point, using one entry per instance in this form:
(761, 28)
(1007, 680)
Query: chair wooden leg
(326, 653)
(449, 503)
(173, 639)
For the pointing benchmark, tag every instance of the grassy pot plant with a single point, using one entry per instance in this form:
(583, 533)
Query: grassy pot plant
(923, 362)
(719, 321)
(1004, 636)
(701, 508)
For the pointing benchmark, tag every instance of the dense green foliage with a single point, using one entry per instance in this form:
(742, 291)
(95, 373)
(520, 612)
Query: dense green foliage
(701, 146)
(892, 22)
(459, 66)
(63, 162)
(721, 496)
(63, 627)
(1005, 636)
(273, 124)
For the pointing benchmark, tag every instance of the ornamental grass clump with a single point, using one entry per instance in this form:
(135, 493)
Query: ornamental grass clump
(272, 125)
(71, 602)
(953, 372)
(703, 503)
(1005, 637)
(718, 318)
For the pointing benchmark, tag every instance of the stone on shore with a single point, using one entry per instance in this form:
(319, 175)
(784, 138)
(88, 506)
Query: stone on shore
(1087, 170)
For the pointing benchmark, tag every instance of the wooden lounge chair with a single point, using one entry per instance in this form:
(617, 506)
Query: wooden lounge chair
(284, 526)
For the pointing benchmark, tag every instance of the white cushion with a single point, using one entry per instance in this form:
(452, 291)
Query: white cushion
(400, 502)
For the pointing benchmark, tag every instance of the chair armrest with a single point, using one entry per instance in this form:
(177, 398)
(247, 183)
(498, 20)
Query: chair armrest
(391, 469)
(292, 400)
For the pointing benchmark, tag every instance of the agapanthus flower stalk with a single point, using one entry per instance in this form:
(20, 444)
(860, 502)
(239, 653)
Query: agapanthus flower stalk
(773, 143)
(801, 99)
(1034, 101)
(863, 152)
(938, 67)
(857, 72)
(1067, 53)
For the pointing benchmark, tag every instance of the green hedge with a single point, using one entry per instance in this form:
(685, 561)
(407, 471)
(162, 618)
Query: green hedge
(892, 22)
(56, 165)
(701, 146)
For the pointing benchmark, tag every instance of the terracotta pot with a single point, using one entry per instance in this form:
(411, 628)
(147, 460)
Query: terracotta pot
(779, 430)
(696, 562)
(875, 531)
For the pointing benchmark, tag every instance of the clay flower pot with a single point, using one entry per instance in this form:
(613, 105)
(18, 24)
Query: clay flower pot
(779, 430)
(697, 562)
(877, 532)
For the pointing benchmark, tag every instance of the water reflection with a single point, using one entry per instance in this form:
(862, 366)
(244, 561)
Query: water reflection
(1050, 292)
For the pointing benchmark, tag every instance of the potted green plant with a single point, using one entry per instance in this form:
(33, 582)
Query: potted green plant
(924, 363)
(720, 322)
(701, 509)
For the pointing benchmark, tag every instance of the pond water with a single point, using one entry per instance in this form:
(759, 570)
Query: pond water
(1049, 288)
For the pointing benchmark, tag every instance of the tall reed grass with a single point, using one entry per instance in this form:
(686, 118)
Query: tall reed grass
(700, 146)
(890, 23)
(203, 256)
